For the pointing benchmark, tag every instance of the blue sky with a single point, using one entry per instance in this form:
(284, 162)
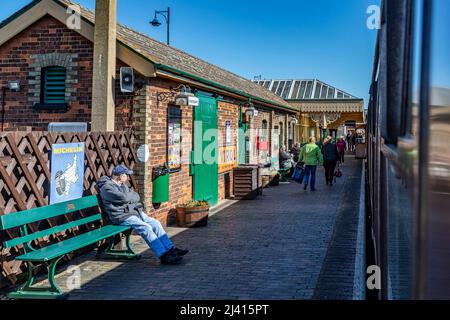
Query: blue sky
(301, 39)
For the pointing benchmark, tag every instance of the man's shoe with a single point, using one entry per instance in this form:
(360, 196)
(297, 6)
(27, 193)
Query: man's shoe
(313, 189)
(305, 187)
(170, 258)
(178, 251)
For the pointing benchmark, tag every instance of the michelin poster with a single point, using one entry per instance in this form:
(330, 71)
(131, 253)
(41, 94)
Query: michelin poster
(67, 172)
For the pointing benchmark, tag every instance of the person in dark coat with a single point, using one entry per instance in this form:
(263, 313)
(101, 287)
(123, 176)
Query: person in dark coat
(123, 207)
(330, 158)
(295, 151)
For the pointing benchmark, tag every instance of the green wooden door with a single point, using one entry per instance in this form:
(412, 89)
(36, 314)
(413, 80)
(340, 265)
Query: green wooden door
(205, 160)
(242, 144)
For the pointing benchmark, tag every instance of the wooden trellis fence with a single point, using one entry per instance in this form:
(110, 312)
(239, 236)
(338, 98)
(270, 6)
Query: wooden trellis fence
(25, 176)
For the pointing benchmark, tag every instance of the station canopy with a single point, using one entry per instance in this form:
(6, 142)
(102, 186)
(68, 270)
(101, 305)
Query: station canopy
(304, 90)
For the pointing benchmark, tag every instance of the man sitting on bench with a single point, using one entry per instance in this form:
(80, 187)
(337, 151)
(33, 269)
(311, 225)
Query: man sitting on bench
(123, 207)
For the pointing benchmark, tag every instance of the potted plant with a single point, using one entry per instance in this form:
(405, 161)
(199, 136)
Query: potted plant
(193, 214)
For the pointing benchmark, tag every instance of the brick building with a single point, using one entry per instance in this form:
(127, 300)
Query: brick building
(54, 63)
(322, 109)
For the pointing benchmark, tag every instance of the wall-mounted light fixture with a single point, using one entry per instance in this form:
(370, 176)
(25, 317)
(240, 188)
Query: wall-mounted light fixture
(294, 120)
(14, 85)
(251, 111)
(182, 97)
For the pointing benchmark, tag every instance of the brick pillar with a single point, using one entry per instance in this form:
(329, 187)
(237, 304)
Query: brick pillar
(141, 121)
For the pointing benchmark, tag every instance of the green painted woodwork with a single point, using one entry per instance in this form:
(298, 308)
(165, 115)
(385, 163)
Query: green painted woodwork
(111, 253)
(52, 254)
(53, 85)
(205, 155)
(55, 250)
(17, 219)
(242, 144)
(46, 232)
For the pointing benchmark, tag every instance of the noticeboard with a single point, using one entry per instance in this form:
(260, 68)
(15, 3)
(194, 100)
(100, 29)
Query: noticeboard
(174, 138)
(67, 172)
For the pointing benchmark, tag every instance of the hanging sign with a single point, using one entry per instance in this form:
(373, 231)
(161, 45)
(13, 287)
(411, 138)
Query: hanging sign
(67, 172)
(227, 158)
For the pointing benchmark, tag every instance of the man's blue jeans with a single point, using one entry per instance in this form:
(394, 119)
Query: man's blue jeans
(310, 171)
(152, 231)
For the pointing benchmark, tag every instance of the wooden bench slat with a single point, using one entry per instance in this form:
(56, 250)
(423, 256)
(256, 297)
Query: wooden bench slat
(58, 249)
(47, 232)
(17, 219)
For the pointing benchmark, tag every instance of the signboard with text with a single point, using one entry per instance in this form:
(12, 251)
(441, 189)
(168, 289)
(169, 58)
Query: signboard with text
(227, 158)
(67, 172)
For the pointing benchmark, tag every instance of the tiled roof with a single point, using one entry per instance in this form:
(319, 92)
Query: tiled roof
(162, 54)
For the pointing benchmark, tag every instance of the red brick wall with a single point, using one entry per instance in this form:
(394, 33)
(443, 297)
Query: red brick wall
(48, 36)
(227, 112)
(180, 183)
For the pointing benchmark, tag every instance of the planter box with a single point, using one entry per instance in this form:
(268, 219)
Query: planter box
(191, 217)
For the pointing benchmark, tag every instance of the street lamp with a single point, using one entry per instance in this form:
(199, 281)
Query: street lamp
(156, 23)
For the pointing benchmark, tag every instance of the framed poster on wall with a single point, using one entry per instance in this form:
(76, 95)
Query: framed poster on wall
(174, 138)
(67, 172)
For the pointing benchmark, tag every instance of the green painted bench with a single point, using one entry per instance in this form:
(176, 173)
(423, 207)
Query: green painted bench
(53, 253)
(284, 173)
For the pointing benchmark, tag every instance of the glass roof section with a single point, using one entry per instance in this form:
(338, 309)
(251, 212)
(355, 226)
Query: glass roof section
(303, 89)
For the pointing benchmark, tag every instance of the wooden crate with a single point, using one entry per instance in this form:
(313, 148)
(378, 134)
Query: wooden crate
(246, 184)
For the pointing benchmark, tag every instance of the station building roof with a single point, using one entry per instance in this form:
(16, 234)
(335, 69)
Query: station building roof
(166, 58)
(304, 89)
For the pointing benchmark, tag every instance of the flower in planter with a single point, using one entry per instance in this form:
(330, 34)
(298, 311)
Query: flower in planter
(195, 203)
(193, 214)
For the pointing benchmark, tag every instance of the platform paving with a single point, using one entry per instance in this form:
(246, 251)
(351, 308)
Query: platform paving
(287, 244)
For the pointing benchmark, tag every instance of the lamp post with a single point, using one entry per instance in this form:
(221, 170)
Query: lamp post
(156, 23)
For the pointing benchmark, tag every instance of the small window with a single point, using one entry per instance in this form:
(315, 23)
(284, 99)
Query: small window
(53, 88)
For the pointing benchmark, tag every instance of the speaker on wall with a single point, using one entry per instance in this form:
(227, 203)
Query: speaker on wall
(126, 79)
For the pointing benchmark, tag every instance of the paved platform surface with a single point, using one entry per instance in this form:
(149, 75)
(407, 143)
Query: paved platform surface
(287, 244)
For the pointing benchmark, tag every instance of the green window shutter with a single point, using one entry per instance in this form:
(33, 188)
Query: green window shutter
(54, 85)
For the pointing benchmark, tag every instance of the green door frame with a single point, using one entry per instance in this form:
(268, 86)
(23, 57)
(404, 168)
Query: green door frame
(205, 170)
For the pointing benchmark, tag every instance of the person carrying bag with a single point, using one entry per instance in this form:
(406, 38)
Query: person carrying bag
(299, 172)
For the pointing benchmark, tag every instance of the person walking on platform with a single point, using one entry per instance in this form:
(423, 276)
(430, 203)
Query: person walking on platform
(348, 141)
(354, 141)
(311, 155)
(341, 147)
(330, 157)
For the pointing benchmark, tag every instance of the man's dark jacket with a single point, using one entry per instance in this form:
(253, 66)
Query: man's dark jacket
(119, 202)
(330, 152)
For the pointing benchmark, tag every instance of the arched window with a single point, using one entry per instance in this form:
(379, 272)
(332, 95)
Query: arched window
(53, 86)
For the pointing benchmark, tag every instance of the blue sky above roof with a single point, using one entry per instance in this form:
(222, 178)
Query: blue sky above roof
(298, 39)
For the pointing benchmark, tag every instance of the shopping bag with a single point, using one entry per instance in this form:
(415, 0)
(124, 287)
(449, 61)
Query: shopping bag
(298, 175)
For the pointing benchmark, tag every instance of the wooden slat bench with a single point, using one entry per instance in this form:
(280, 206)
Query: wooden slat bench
(52, 254)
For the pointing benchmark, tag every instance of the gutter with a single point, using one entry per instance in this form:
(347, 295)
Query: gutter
(220, 86)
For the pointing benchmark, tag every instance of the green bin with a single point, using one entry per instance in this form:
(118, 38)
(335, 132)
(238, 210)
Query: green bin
(160, 179)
